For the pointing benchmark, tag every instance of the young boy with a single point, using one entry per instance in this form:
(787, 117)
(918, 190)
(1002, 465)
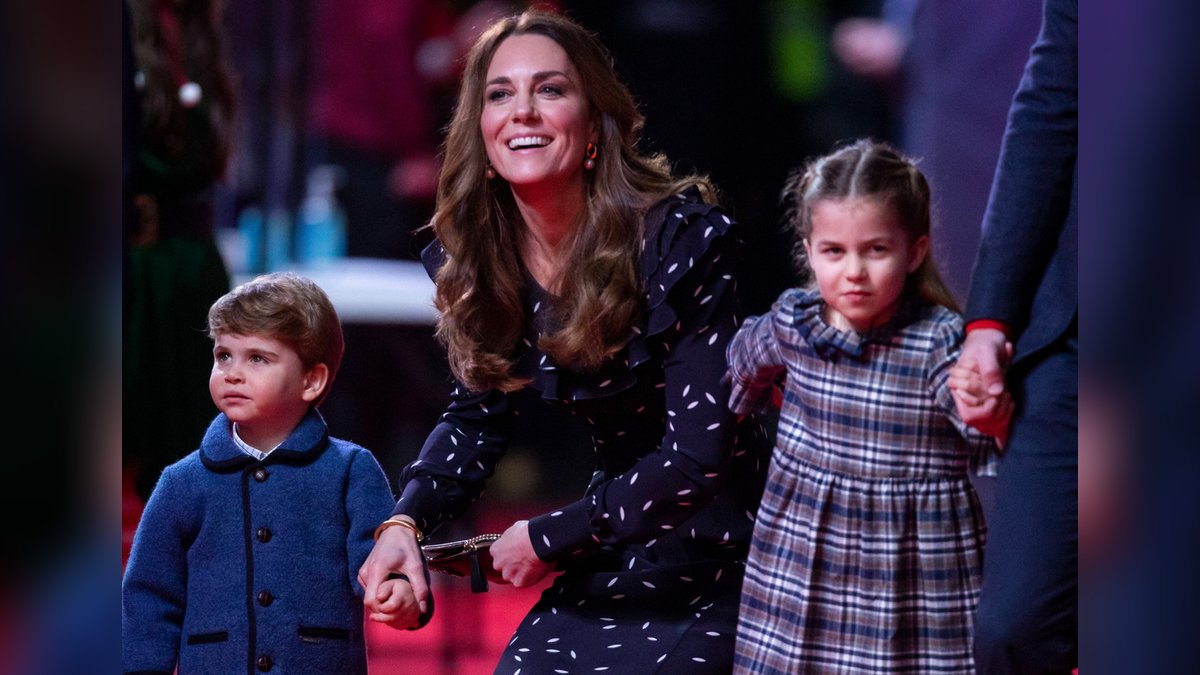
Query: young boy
(247, 552)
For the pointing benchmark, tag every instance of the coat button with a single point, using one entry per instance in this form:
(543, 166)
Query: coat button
(263, 535)
(265, 598)
(260, 474)
(264, 663)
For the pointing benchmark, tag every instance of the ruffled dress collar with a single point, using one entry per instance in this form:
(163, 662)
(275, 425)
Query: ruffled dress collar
(809, 318)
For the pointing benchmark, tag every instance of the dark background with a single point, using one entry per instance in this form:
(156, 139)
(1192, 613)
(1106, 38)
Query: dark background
(59, 177)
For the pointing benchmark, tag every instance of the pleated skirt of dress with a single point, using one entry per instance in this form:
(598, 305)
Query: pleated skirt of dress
(861, 575)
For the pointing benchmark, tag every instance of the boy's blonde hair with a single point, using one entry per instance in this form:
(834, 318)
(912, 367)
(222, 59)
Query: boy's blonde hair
(866, 169)
(286, 307)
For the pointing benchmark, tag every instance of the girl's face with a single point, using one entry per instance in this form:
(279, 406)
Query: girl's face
(861, 258)
(260, 383)
(535, 122)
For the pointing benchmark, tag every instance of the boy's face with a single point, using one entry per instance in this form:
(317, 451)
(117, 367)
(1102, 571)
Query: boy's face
(259, 383)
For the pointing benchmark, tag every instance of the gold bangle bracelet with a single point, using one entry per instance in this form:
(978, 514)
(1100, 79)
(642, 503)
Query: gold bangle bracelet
(402, 523)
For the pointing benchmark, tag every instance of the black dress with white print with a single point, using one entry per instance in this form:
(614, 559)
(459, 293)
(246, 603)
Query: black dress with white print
(653, 553)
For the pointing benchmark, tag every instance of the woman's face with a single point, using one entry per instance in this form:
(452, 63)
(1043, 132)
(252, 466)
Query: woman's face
(535, 121)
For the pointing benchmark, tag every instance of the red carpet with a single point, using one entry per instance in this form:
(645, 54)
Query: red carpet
(465, 637)
(468, 630)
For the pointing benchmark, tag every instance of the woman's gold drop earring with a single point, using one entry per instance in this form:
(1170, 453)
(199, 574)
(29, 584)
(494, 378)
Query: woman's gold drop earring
(590, 153)
(489, 171)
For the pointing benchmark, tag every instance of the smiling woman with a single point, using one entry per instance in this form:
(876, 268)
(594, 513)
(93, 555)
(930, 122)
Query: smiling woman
(535, 121)
(578, 275)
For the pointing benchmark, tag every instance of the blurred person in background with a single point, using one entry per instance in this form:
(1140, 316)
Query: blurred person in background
(371, 114)
(951, 68)
(174, 270)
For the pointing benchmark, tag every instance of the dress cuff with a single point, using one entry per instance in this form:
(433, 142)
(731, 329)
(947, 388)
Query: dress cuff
(415, 503)
(562, 533)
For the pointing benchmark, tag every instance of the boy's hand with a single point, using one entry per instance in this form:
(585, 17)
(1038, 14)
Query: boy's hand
(396, 604)
(396, 551)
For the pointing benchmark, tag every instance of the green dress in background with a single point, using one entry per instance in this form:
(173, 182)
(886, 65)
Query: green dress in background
(174, 272)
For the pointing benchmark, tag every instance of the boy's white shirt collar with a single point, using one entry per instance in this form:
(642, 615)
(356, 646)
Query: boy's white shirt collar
(249, 449)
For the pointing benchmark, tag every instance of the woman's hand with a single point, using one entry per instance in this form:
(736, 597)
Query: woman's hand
(513, 557)
(395, 551)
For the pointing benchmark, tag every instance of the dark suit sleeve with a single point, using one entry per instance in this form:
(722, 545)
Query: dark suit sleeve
(1034, 180)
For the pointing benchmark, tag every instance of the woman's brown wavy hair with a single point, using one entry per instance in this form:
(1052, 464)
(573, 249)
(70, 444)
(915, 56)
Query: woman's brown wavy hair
(869, 170)
(599, 295)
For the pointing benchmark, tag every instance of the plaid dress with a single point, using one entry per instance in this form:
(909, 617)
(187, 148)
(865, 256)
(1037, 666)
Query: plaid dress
(867, 550)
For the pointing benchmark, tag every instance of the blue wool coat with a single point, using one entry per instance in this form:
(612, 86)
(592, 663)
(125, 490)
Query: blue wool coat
(247, 566)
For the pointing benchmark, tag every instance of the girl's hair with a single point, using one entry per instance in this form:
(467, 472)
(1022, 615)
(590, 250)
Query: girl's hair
(599, 295)
(866, 169)
(191, 49)
(285, 307)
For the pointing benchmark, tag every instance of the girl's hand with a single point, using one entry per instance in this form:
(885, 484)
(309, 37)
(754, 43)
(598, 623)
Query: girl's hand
(967, 385)
(513, 557)
(977, 382)
(989, 413)
(991, 417)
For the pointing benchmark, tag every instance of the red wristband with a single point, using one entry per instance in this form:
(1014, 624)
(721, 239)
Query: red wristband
(988, 323)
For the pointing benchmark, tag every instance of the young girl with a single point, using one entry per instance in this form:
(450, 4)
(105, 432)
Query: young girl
(867, 550)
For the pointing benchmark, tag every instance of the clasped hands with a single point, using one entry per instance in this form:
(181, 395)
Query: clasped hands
(977, 382)
(400, 601)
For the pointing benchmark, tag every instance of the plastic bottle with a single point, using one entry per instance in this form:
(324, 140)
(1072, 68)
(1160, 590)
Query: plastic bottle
(279, 239)
(250, 225)
(321, 232)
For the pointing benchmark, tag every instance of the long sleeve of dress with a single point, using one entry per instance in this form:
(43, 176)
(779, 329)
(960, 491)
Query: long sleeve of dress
(755, 362)
(667, 485)
(457, 459)
(946, 344)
